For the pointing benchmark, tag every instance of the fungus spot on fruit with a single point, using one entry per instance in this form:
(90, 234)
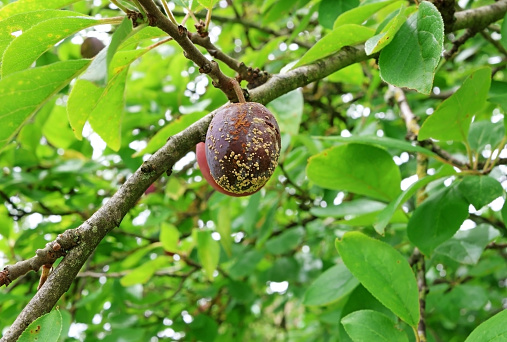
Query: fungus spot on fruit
(242, 147)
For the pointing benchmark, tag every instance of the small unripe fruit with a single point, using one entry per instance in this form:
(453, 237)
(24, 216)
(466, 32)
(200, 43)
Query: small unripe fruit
(91, 47)
(242, 148)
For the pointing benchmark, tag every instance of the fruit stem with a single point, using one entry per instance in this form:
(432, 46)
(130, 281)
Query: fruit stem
(238, 91)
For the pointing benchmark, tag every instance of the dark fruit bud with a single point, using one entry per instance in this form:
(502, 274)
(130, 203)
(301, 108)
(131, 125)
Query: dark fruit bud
(91, 47)
(242, 147)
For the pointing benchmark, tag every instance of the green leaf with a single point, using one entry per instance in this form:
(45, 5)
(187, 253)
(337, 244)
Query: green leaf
(57, 130)
(107, 115)
(492, 330)
(224, 228)
(143, 273)
(362, 169)
(82, 100)
(369, 325)
(359, 14)
(203, 328)
(504, 212)
(41, 83)
(412, 57)
(384, 272)
(483, 133)
(381, 40)
(286, 241)
(288, 110)
(480, 190)
(401, 145)
(330, 286)
(26, 48)
(451, 120)
(385, 215)
(207, 3)
(208, 251)
(467, 246)
(432, 222)
(24, 21)
(356, 207)
(175, 126)
(329, 10)
(169, 237)
(349, 34)
(245, 264)
(46, 328)
(22, 6)
(99, 70)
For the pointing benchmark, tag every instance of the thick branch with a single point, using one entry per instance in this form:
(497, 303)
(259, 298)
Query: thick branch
(91, 232)
(283, 83)
(480, 18)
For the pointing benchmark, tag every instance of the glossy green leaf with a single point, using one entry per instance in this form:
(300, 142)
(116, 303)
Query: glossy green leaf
(492, 330)
(432, 222)
(175, 126)
(362, 169)
(26, 48)
(46, 328)
(224, 228)
(99, 71)
(57, 130)
(286, 241)
(381, 40)
(169, 237)
(480, 190)
(412, 57)
(330, 286)
(451, 120)
(143, 273)
(288, 111)
(42, 83)
(401, 145)
(356, 207)
(385, 215)
(359, 14)
(384, 272)
(467, 246)
(369, 325)
(24, 21)
(22, 6)
(483, 133)
(329, 10)
(348, 34)
(107, 115)
(208, 251)
(82, 100)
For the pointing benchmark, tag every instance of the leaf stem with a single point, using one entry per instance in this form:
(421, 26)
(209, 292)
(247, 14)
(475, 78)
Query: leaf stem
(490, 163)
(168, 12)
(120, 6)
(208, 19)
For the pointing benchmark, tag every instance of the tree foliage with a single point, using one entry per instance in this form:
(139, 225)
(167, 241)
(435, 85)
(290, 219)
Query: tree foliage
(385, 219)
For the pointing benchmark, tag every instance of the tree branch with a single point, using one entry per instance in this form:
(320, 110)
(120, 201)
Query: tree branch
(479, 18)
(91, 232)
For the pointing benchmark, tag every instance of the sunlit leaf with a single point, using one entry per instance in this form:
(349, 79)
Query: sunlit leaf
(209, 252)
(384, 272)
(369, 325)
(42, 83)
(330, 286)
(357, 168)
(492, 330)
(410, 60)
(451, 120)
(46, 328)
(359, 14)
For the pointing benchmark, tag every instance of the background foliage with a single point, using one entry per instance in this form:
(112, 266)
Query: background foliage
(369, 175)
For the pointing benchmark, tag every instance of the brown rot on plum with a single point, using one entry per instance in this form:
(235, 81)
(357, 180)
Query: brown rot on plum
(241, 149)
